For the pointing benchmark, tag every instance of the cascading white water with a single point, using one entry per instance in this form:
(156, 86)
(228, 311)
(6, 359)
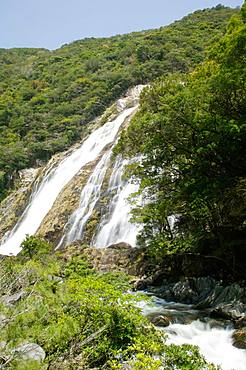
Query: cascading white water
(116, 227)
(56, 178)
(215, 343)
(89, 196)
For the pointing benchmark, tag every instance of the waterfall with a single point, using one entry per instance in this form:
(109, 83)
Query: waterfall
(56, 177)
(115, 226)
(89, 196)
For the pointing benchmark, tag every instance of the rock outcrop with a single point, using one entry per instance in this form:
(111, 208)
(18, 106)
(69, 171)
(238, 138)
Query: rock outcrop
(9, 300)
(29, 351)
(117, 257)
(239, 338)
(52, 227)
(13, 206)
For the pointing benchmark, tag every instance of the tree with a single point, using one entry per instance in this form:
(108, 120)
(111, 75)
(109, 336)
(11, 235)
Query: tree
(190, 132)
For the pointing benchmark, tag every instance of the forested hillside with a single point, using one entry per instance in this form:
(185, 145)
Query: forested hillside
(46, 97)
(190, 132)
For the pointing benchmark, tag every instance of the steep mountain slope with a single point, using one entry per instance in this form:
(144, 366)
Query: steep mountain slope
(190, 132)
(47, 97)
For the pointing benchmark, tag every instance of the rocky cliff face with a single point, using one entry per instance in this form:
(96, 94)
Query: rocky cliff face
(53, 226)
(12, 207)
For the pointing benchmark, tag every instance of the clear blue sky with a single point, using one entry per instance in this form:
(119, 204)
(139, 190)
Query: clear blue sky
(51, 23)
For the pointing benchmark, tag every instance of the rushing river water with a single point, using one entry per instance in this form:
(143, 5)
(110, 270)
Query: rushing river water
(213, 337)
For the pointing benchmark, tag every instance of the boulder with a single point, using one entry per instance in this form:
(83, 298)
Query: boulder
(187, 290)
(239, 338)
(160, 320)
(235, 311)
(140, 284)
(30, 351)
(9, 300)
(56, 279)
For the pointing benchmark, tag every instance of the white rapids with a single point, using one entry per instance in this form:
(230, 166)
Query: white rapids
(215, 343)
(55, 179)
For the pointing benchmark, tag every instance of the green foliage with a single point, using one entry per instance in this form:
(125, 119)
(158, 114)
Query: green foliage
(34, 246)
(82, 319)
(47, 97)
(190, 131)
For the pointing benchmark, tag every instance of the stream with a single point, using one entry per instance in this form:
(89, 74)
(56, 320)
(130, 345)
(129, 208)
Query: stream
(189, 326)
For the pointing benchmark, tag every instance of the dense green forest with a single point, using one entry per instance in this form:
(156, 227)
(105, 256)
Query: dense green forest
(190, 132)
(47, 97)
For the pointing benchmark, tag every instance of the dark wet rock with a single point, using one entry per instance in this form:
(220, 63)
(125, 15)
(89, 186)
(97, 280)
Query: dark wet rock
(140, 284)
(30, 351)
(232, 311)
(224, 302)
(240, 323)
(216, 323)
(220, 295)
(160, 320)
(239, 338)
(187, 290)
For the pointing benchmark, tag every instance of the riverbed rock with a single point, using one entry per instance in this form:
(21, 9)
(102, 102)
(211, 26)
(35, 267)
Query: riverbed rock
(160, 320)
(235, 311)
(140, 283)
(224, 302)
(239, 338)
(30, 351)
(223, 295)
(187, 290)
